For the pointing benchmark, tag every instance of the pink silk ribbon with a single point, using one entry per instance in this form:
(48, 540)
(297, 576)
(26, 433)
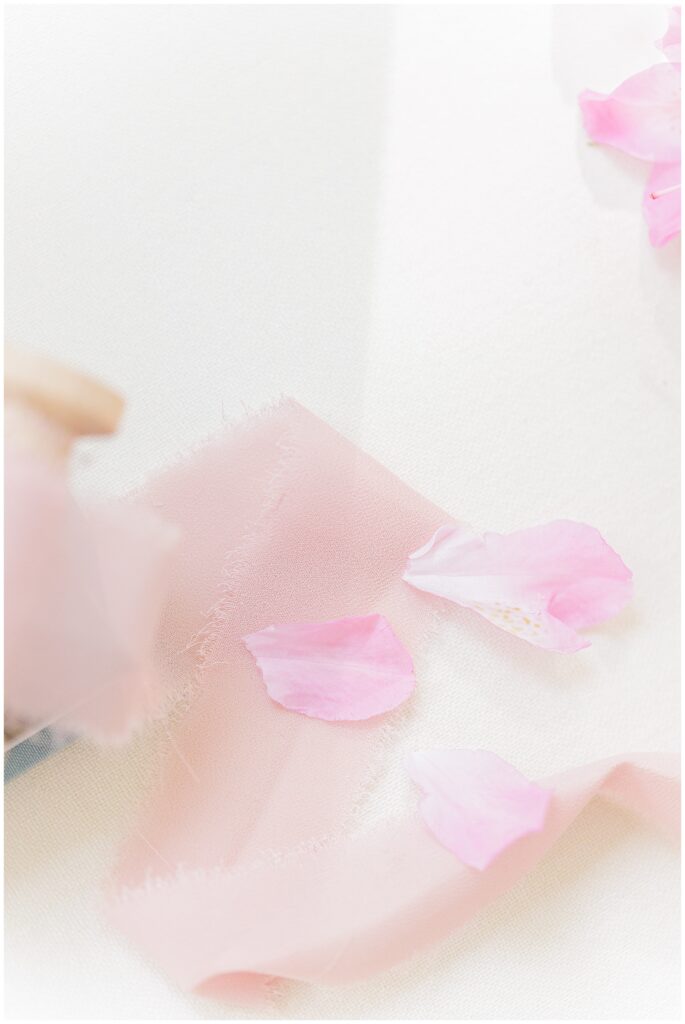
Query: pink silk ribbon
(245, 863)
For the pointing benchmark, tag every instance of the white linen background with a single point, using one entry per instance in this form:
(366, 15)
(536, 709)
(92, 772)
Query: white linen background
(392, 215)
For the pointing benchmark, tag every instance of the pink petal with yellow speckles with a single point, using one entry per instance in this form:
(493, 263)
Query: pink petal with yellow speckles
(344, 670)
(540, 584)
(475, 803)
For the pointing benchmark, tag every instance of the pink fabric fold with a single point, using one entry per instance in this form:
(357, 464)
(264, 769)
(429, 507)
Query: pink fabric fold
(246, 862)
(359, 904)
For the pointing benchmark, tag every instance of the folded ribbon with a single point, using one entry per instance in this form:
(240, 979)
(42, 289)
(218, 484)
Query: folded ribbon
(243, 864)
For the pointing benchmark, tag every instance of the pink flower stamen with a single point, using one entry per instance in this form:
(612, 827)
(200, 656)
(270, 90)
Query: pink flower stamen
(664, 192)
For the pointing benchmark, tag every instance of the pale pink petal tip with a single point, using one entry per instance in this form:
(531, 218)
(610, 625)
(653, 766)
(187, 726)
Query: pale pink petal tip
(476, 804)
(669, 44)
(344, 670)
(540, 584)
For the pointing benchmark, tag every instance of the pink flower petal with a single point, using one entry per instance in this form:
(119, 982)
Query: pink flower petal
(475, 803)
(661, 203)
(541, 584)
(343, 670)
(669, 44)
(641, 116)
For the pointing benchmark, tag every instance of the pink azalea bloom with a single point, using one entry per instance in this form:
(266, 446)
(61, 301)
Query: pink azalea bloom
(541, 584)
(475, 803)
(343, 670)
(642, 118)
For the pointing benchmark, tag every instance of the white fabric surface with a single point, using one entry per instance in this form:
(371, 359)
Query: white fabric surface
(392, 215)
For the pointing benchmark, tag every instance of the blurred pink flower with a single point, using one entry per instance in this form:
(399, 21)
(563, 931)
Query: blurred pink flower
(642, 118)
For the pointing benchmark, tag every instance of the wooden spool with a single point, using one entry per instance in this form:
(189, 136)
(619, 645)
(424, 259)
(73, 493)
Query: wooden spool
(47, 406)
(75, 402)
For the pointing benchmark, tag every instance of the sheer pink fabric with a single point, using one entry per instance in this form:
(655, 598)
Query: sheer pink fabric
(361, 903)
(245, 863)
(86, 584)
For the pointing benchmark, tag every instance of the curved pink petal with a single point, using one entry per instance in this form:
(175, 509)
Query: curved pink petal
(475, 803)
(344, 670)
(661, 203)
(669, 44)
(541, 584)
(640, 117)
